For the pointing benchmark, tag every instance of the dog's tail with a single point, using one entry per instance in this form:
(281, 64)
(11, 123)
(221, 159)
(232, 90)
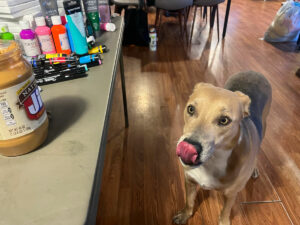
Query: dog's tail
(257, 87)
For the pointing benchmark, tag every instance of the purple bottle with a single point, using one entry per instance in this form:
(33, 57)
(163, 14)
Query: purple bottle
(29, 40)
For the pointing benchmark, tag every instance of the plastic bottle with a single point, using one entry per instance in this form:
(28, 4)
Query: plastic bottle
(108, 26)
(24, 123)
(29, 40)
(49, 9)
(76, 26)
(60, 36)
(44, 35)
(104, 11)
(62, 14)
(153, 39)
(90, 38)
(6, 35)
(92, 14)
(31, 21)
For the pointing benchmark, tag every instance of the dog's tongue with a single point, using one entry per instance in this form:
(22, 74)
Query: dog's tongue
(187, 152)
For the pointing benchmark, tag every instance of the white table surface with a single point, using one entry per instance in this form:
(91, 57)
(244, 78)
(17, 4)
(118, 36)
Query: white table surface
(53, 185)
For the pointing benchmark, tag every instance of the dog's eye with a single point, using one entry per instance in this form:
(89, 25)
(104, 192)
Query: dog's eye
(191, 110)
(224, 120)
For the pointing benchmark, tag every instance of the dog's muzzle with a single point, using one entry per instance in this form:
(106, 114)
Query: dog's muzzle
(189, 152)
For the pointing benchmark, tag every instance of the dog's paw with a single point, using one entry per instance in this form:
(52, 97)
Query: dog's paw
(255, 173)
(181, 217)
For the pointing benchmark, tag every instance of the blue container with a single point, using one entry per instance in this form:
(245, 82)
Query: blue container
(76, 26)
(70, 37)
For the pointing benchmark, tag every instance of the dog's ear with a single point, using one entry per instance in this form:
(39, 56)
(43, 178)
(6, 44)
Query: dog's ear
(246, 101)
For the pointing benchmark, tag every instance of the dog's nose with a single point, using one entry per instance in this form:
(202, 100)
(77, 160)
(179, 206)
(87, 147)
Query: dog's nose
(196, 144)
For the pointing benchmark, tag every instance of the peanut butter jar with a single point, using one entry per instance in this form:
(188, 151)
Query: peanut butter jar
(23, 118)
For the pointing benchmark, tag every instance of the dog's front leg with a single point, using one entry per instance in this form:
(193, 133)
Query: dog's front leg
(228, 203)
(190, 191)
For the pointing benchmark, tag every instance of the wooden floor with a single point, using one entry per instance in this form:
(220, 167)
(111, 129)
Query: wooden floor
(142, 178)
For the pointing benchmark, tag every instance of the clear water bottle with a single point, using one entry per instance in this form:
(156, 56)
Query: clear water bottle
(153, 39)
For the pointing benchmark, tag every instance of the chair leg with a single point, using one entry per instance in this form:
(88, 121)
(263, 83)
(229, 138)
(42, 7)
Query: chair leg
(156, 17)
(200, 11)
(188, 12)
(180, 21)
(226, 18)
(212, 16)
(195, 13)
(218, 22)
(205, 13)
(186, 15)
(159, 22)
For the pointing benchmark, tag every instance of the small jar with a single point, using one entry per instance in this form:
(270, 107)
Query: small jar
(23, 118)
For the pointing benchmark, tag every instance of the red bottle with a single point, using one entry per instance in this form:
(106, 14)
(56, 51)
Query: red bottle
(60, 36)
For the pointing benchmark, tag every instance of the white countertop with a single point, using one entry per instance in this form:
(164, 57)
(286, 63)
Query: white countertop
(53, 184)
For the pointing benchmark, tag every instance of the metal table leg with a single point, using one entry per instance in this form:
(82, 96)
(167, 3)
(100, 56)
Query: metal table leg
(226, 17)
(123, 88)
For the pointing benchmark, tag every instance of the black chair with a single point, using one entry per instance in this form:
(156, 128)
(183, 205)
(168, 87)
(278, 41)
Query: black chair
(213, 8)
(175, 6)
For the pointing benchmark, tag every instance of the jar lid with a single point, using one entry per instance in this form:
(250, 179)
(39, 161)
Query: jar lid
(7, 48)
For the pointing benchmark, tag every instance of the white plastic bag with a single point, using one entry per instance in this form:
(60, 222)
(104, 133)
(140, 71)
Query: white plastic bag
(286, 24)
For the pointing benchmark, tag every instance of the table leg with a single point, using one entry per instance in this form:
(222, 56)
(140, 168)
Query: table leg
(226, 17)
(123, 89)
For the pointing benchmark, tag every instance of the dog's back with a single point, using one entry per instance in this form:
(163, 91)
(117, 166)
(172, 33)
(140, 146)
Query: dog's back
(257, 87)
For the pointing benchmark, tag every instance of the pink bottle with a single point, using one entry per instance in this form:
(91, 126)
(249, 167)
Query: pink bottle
(29, 40)
(44, 35)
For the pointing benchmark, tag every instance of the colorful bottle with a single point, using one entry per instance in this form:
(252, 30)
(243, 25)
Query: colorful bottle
(49, 9)
(60, 36)
(5, 34)
(92, 14)
(90, 38)
(44, 35)
(104, 11)
(29, 40)
(70, 37)
(108, 26)
(76, 26)
(31, 21)
(62, 14)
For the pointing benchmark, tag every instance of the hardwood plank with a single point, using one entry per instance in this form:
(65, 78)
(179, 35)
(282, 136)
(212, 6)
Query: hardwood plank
(260, 189)
(142, 179)
(266, 214)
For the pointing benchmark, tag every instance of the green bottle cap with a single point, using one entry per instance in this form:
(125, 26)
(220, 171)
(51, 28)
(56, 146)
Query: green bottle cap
(4, 28)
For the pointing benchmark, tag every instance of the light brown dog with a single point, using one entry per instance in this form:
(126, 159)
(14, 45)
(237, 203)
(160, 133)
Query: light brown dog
(221, 138)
